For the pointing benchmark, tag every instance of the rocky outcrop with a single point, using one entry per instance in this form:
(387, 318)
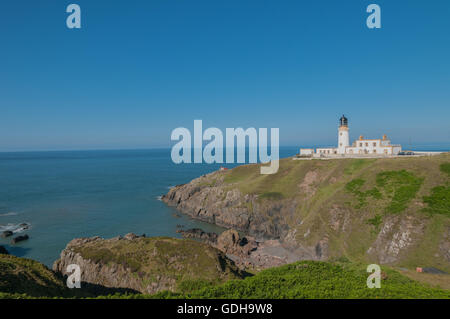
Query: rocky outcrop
(3, 250)
(230, 208)
(395, 237)
(246, 251)
(18, 239)
(146, 265)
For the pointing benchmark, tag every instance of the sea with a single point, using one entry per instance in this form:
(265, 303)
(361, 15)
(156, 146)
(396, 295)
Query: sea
(56, 196)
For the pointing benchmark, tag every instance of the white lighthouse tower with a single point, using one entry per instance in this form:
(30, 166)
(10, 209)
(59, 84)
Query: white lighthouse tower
(343, 138)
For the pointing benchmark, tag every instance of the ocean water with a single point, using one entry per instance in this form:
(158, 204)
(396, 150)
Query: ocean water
(69, 194)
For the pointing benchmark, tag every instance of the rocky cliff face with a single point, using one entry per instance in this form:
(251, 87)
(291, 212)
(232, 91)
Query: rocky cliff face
(228, 207)
(145, 265)
(364, 209)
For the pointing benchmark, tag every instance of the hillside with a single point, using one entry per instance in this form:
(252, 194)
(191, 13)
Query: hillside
(314, 279)
(25, 276)
(392, 211)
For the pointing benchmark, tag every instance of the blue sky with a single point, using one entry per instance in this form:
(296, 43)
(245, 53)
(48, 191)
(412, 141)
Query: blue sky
(139, 69)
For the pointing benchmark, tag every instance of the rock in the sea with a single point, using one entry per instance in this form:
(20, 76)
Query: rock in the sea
(19, 239)
(6, 233)
(147, 265)
(3, 251)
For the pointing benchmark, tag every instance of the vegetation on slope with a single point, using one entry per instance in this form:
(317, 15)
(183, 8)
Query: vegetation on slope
(311, 279)
(23, 278)
(26, 276)
(349, 201)
(162, 258)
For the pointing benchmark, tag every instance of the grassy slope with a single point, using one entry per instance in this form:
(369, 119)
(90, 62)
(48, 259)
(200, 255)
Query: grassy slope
(26, 276)
(189, 263)
(368, 190)
(311, 279)
(306, 279)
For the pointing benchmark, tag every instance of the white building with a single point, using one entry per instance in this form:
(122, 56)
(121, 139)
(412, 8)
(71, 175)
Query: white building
(360, 147)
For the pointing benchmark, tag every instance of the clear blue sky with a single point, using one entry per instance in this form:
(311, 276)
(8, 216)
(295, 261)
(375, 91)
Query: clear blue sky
(138, 69)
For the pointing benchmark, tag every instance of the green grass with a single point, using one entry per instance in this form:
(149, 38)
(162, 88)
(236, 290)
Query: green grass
(25, 276)
(299, 280)
(312, 279)
(445, 167)
(355, 187)
(272, 195)
(402, 186)
(398, 186)
(357, 164)
(439, 201)
(376, 221)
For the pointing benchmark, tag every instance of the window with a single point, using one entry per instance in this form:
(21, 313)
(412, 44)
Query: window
(367, 144)
(374, 151)
(340, 134)
(340, 144)
(374, 144)
(360, 144)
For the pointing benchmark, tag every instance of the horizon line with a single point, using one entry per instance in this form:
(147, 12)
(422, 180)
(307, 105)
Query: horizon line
(445, 145)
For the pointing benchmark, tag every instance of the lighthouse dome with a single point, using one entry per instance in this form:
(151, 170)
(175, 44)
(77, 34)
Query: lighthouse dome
(343, 121)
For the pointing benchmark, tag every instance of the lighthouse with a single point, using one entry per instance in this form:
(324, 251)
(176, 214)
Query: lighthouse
(343, 138)
(362, 147)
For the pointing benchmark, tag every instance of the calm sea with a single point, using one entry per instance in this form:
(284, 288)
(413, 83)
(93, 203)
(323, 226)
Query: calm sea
(69, 194)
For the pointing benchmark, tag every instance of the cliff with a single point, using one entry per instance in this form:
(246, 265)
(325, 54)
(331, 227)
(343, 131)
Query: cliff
(146, 265)
(389, 210)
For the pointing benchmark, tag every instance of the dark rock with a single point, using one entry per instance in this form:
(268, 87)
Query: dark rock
(19, 239)
(6, 233)
(3, 251)
(230, 242)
